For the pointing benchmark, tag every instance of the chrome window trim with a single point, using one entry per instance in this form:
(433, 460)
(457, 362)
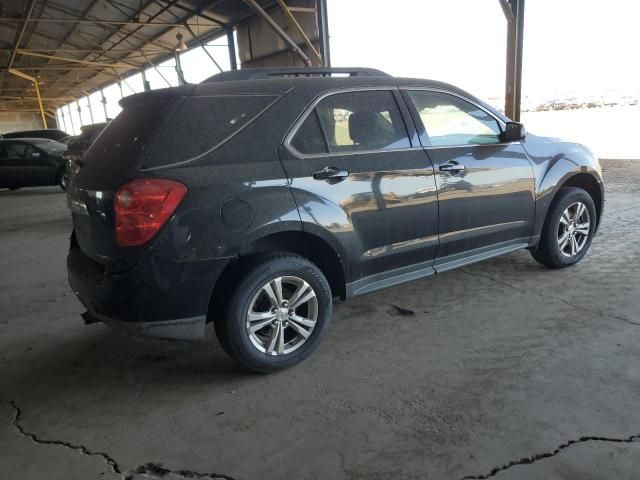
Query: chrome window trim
(310, 108)
(501, 123)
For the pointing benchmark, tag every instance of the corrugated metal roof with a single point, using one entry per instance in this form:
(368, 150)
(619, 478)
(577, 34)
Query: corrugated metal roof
(77, 46)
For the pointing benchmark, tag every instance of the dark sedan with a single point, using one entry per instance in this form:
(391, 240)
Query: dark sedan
(32, 162)
(50, 133)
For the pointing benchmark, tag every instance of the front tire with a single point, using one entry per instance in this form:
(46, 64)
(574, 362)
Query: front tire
(277, 314)
(568, 229)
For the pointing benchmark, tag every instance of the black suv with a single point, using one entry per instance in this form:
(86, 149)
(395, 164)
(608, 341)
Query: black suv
(253, 199)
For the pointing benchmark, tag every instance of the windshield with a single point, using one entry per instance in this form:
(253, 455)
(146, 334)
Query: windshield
(49, 146)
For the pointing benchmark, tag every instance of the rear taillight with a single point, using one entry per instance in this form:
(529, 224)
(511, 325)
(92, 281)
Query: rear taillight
(143, 206)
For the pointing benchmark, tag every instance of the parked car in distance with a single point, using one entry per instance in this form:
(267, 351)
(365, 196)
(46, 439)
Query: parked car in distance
(50, 133)
(255, 198)
(32, 162)
(79, 145)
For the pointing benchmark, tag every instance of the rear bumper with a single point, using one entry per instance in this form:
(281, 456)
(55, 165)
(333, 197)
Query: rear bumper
(179, 329)
(156, 297)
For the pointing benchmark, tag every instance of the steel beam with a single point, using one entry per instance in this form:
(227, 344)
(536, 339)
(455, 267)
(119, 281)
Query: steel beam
(276, 28)
(231, 43)
(16, 46)
(34, 80)
(323, 24)
(300, 30)
(197, 40)
(96, 22)
(515, 30)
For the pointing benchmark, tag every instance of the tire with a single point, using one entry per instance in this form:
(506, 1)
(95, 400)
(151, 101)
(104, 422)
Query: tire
(257, 292)
(63, 181)
(561, 221)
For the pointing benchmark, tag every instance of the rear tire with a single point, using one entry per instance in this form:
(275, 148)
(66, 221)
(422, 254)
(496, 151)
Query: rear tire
(277, 313)
(568, 229)
(63, 181)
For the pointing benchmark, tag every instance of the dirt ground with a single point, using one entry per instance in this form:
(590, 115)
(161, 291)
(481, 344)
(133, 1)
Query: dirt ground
(503, 370)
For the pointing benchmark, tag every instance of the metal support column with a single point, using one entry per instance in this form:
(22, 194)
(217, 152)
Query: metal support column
(179, 71)
(103, 100)
(514, 13)
(89, 105)
(323, 25)
(145, 83)
(73, 127)
(79, 108)
(231, 42)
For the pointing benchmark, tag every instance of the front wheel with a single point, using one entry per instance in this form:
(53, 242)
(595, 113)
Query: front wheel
(277, 314)
(568, 229)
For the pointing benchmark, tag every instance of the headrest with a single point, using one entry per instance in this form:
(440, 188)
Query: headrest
(363, 127)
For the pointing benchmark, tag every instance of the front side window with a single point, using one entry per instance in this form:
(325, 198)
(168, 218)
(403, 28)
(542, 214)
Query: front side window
(452, 121)
(353, 121)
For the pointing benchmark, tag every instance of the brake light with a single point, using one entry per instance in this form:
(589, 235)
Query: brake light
(143, 206)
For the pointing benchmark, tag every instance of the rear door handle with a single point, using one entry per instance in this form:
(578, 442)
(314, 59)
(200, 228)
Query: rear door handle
(451, 167)
(331, 174)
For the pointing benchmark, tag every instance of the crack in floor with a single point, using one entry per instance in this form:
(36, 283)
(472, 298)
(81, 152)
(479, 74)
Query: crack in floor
(543, 295)
(110, 461)
(541, 456)
(148, 470)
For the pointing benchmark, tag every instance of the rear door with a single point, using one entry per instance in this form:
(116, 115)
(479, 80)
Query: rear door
(355, 173)
(485, 187)
(7, 167)
(19, 166)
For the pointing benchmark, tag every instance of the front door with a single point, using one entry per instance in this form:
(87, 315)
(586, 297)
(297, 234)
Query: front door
(355, 174)
(485, 187)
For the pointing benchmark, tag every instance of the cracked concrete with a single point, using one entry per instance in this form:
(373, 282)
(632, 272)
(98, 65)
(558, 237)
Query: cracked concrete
(543, 456)
(148, 470)
(487, 371)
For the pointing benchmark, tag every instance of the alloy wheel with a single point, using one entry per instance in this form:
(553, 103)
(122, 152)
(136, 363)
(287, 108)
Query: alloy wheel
(573, 229)
(282, 315)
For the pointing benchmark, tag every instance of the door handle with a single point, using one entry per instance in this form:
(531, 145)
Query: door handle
(331, 174)
(451, 166)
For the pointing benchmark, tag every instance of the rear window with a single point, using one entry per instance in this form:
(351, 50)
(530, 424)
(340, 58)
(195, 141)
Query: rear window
(127, 137)
(203, 124)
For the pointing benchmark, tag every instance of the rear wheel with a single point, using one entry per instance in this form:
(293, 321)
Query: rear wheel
(63, 180)
(568, 229)
(277, 313)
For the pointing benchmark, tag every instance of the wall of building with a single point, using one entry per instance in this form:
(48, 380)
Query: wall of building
(259, 46)
(13, 121)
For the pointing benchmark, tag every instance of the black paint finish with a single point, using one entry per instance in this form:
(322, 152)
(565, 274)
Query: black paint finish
(394, 217)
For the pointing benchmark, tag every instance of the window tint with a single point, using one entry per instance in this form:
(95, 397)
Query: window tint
(308, 138)
(449, 120)
(207, 122)
(16, 150)
(367, 120)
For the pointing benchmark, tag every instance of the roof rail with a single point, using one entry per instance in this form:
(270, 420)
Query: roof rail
(262, 73)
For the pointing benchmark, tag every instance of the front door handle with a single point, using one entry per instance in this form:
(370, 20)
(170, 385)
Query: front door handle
(451, 166)
(331, 174)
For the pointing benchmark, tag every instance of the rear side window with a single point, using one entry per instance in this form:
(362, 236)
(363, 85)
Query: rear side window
(128, 134)
(353, 121)
(204, 124)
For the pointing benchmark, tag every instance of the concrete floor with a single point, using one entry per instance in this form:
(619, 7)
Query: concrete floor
(502, 370)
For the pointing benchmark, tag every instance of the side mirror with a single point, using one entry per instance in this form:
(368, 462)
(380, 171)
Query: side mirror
(513, 132)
